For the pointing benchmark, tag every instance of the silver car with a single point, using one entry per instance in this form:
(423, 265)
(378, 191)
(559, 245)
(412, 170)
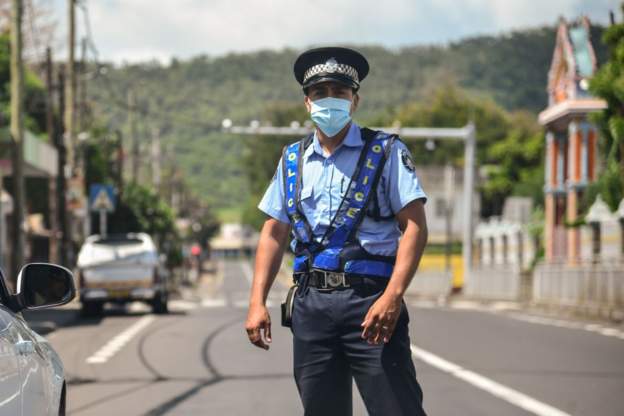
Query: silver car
(32, 380)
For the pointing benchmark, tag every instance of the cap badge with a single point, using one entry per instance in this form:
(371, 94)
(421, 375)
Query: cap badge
(331, 65)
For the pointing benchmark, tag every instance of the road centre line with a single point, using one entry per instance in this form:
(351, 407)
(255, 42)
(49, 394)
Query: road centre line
(119, 341)
(508, 394)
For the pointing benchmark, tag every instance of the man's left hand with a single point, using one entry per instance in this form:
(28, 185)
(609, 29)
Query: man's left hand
(381, 319)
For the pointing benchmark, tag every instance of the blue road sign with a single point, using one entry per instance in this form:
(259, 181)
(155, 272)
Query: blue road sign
(102, 197)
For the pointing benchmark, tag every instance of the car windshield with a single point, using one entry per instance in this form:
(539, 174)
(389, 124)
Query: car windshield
(116, 248)
(118, 241)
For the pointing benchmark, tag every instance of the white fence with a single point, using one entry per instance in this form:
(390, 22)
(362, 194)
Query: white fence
(431, 283)
(495, 282)
(595, 288)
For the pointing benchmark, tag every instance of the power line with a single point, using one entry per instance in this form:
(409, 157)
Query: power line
(82, 4)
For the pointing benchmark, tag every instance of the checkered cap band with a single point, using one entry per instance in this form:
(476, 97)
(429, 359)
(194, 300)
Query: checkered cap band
(331, 67)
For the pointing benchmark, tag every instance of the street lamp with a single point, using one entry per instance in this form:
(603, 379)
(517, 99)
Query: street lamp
(226, 123)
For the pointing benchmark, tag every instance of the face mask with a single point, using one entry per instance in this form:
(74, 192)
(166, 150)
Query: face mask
(331, 114)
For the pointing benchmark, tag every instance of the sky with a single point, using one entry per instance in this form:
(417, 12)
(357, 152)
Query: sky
(139, 30)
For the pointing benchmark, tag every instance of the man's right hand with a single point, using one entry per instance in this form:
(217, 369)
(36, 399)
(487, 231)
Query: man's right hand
(258, 326)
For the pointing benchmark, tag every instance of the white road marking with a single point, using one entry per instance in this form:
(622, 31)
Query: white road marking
(498, 307)
(118, 342)
(596, 328)
(508, 394)
(239, 304)
(138, 307)
(213, 303)
(247, 271)
(182, 305)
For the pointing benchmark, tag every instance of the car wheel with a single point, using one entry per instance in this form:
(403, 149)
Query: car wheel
(92, 309)
(63, 404)
(159, 304)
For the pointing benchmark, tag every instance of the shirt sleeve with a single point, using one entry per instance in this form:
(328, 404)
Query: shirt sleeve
(402, 183)
(272, 202)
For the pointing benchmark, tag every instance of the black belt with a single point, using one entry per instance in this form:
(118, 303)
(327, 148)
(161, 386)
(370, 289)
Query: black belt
(327, 280)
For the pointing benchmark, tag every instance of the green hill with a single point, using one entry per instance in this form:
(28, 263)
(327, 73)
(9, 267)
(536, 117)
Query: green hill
(188, 99)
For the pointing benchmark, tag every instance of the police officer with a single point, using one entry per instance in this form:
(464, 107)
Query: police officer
(351, 200)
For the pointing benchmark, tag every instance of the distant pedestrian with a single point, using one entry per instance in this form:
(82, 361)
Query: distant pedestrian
(355, 207)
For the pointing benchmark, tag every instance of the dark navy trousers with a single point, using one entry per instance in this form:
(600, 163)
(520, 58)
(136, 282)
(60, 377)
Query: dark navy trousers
(329, 353)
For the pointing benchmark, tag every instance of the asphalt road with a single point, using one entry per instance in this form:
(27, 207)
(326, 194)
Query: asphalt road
(197, 360)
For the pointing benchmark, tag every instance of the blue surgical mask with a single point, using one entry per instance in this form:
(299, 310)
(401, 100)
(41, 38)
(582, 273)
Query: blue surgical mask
(331, 114)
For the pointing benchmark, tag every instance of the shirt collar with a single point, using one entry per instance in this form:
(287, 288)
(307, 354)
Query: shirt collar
(352, 139)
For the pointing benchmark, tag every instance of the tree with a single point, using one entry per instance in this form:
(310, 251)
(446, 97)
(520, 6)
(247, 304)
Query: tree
(516, 162)
(263, 153)
(34, 92)
(509, 146)
(608, 83)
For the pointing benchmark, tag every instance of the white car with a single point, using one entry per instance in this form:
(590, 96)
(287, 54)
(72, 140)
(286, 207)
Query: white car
(32, 380)
(121, 268)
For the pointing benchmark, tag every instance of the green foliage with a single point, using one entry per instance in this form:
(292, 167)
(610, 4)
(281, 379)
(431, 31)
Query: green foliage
(608, 83)
(262, 155)
(519, 160)
(34, 92)
(188, 100)
(147, 213)
(509, 146)
(140, 209)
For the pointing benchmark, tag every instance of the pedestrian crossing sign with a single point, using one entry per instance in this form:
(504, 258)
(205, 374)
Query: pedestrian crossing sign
(102, 198)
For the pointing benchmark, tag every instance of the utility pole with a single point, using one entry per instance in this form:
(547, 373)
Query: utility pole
(119, 162)
(134, 140)
(61, 179)
(449, 190)
(155, 164)
(81, 145)
(17, 135)
(70, 99)
(52, 186)
(83, 88)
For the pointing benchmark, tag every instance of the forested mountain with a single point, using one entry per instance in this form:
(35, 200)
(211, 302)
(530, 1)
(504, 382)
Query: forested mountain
(187, 100)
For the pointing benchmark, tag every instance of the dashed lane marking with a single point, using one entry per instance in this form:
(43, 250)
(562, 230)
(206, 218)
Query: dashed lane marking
(118, 342)
(182, 305)
(508, 394)
(247, 271)
(213, 303)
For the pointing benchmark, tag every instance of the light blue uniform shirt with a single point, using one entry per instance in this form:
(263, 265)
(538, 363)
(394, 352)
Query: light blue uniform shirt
(325, 180)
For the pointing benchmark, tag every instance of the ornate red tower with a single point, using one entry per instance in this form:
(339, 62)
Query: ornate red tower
(570, 138)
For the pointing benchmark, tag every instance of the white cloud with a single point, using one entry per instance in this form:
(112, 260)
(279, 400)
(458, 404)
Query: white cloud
(135, 30)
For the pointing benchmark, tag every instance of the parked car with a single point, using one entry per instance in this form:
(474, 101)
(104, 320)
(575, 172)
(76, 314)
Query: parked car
(121, 268)
(32, 380)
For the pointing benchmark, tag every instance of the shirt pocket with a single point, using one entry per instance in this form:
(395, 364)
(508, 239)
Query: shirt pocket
(307, 197)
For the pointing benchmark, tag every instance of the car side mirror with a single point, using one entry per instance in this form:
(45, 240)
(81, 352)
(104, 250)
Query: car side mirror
(42, 285)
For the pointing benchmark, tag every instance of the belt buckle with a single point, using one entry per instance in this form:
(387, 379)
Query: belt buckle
(334, 280)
